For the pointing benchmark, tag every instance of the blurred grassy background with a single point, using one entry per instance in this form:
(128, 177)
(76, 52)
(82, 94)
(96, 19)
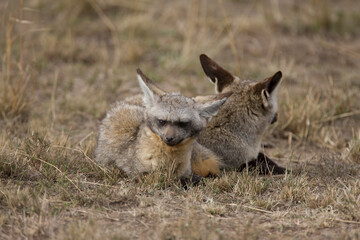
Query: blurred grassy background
(71, 59)
(64, 62)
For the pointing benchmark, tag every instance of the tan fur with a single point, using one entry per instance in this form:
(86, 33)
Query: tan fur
(153, 153)
(204, 162)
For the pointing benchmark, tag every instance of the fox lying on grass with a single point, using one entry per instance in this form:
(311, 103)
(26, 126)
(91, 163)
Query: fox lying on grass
(235, 133)
(159, 133)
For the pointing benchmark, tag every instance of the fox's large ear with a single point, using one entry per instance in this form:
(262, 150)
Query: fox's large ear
(219, 76)
(210, 105)
(151, 92)
(268, 88)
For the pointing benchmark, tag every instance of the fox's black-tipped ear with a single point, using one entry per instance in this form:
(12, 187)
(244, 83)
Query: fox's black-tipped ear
(148, 87)
(210, 105)
(274, 82)
(269, 84)
(219, 76)
(268, 87)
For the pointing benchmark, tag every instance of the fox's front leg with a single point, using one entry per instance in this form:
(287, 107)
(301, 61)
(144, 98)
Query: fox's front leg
(187, 177)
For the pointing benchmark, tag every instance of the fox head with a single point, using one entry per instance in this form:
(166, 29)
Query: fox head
(257, 99)
(174, 117)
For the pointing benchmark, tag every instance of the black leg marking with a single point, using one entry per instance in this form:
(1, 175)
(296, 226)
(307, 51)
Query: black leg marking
(192, 180)
(264, 164)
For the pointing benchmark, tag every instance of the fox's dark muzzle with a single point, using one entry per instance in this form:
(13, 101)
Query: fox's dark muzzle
(171, 141)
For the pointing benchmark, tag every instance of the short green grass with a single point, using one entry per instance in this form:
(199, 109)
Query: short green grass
(64, 62)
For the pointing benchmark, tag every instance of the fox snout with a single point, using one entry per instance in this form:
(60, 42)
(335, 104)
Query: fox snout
(171, 136)
(170, 140)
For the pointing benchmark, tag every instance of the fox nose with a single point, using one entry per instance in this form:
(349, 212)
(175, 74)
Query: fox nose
(169, 138)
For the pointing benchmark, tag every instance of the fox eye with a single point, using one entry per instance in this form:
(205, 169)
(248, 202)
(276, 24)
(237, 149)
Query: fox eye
(184, 124)
(161, 122)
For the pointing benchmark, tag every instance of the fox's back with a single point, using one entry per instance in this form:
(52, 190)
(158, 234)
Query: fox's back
(118, 135)
(234, 133)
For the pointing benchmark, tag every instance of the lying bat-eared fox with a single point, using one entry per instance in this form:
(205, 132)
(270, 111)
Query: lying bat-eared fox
(159, 133)
(235, 133)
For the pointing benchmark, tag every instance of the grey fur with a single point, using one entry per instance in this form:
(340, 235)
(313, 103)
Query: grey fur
(235, 133)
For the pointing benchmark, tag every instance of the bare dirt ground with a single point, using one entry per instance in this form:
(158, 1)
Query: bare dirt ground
(64, 62)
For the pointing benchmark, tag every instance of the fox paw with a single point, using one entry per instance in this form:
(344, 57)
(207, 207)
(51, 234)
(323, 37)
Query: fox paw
(192, 180)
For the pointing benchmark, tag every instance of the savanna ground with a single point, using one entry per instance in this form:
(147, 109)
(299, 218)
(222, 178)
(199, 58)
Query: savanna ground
(64, 62)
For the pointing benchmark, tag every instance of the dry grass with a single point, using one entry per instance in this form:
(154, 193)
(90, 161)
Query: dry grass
(14, 78)
(64, 62)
